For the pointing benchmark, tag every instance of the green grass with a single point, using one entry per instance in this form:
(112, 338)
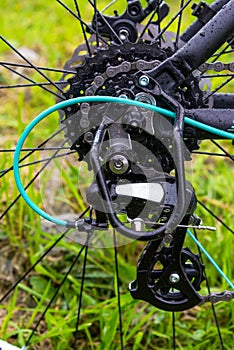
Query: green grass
(52, 35)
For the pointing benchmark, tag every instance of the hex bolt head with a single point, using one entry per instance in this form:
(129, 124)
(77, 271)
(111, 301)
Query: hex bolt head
(174, 278)
(144, 80)
(118, 164)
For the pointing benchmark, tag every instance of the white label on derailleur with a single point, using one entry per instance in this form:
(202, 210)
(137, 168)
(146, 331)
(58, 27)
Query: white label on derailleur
(150, 191)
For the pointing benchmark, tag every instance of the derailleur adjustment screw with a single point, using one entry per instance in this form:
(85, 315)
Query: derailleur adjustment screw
(144, 80)
(174, 278)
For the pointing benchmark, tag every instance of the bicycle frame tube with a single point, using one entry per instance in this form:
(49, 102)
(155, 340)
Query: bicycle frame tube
(209, 39)
(201, 21)
(201, 46)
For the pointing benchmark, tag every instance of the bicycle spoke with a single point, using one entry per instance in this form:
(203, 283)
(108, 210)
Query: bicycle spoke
(40, 259)
(213, 154)
(83, 28)
(218, 88)
(172, 20)
(35, 149)
(61, 82)
(173, 331)
(151, 19)
(34, 83)
(40, 161)
(215, 216)
(21, 65)
(82, 21)
(118, 290)
(96, 23)
(98, 13)
(81, 292)
(222, 149)
(179, 24)
(209, 292)
(54, 297)
(30, 182)
(223, 51)
(30, 63)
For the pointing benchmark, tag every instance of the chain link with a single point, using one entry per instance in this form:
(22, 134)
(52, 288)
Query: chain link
(214, 298)
(216, 66)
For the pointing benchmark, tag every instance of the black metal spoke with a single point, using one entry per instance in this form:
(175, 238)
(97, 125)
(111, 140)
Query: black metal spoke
(91, 30)
(33, 150)
(227, 154)
(218, 75)
(31, 80)
(30, 182)
(98, 13)
(118, 290)
(96, 23)
(60, 82)
(179, 25)
(223, 51)
(39, 260)
(21, 65)
(173, 332)
(156, 11)
(172, 20)
(30, 63)
(218, 88)
(33, 266)
(83, 28)
(209, 292)
(54, 296)
(40, 161)
(213, 154)
(215, 216)
(81, 291)
(12, 150)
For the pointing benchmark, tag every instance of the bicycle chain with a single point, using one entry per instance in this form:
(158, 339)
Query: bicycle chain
(124, 67)
(216, 66)
(214, 298)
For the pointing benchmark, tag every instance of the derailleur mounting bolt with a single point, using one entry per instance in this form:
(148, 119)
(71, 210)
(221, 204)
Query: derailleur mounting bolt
(144, 80)
(174, 278)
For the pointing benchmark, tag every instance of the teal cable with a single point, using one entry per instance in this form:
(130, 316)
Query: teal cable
(216, 266)
(105, 99)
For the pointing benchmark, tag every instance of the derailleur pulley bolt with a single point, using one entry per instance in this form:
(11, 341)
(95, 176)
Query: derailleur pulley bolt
(174, 278)
(144, 80)
(118, 164)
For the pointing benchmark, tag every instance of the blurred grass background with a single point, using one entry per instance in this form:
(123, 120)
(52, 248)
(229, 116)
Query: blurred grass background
(49, 35)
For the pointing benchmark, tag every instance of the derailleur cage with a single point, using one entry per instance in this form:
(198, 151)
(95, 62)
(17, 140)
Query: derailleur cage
(170, 278)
